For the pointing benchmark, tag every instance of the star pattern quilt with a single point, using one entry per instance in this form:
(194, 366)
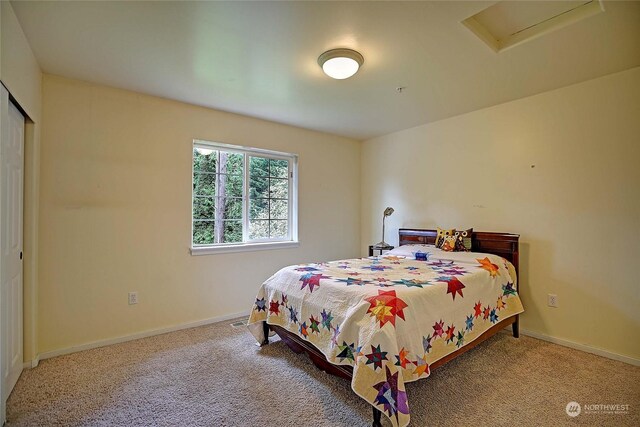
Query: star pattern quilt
(391, 316)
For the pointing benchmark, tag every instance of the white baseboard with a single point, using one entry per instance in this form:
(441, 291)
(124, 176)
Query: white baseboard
(31, 363)
(124, 338)
(582, 347)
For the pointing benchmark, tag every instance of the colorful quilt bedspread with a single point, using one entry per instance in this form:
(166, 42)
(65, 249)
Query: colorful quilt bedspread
(390, 316)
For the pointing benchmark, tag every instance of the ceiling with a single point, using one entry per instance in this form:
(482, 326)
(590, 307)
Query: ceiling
(260, 58)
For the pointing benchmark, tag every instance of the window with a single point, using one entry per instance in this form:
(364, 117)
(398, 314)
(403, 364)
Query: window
(243, 198)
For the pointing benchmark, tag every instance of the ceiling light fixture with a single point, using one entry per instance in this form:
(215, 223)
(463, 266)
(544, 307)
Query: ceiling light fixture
(340, 63)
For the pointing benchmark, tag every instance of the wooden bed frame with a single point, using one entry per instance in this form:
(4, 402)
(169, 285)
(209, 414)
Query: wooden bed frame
(502, 244)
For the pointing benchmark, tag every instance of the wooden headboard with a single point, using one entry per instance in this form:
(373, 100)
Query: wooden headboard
(502, 244)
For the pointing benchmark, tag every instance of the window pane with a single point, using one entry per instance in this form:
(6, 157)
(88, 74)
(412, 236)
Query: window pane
(203, 232)
(233, 185)
(259, 229)
(232, 232)
(204, 207)
(204, 163)
(234, 163)
(232, 208)
(278, 229)
(259, 166)
(231, 163)
(279, 188)
(259, 209)
(204, 184)
(279, 168)
(279, 209)
(258, 187)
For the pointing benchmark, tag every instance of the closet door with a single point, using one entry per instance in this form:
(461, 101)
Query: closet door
(11, 207)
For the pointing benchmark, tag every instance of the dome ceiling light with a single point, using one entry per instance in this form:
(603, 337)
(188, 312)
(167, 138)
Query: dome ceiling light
(340, 64)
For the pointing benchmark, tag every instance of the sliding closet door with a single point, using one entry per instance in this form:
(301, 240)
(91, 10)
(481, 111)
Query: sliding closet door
(11, 276)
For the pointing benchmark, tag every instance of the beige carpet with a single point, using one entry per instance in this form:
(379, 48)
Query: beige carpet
(216, 376)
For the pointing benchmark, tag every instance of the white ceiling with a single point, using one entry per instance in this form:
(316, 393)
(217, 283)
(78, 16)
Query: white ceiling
(259, 58)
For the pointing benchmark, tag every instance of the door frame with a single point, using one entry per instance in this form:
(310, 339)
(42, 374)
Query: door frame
(4, 110)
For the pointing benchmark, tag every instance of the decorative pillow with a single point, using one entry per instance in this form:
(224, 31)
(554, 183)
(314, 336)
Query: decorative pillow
(449, 243)
(463, 240)
(441, 235)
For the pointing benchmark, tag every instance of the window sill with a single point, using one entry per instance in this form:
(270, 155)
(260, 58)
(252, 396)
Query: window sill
(246, 247)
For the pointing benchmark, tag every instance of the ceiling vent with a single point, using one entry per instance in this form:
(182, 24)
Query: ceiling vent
(509, 23)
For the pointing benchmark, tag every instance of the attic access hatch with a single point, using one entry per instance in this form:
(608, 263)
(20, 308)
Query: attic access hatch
(509, 23)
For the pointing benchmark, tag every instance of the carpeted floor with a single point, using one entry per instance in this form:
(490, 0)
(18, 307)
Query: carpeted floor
(216, 376)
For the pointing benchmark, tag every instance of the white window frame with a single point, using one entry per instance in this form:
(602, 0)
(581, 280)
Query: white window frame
(289, 241)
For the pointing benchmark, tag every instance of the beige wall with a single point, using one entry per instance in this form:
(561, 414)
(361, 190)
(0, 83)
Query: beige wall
(20, 73)
(18, 67)
(577, 210)
(115, 212)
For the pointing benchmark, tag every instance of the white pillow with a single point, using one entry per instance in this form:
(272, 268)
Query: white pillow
(409, 251)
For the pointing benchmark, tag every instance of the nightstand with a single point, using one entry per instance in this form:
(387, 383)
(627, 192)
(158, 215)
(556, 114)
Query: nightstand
(372, 248)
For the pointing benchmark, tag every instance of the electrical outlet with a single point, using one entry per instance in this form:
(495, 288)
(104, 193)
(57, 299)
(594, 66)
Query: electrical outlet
(133, 298)
(552, 300)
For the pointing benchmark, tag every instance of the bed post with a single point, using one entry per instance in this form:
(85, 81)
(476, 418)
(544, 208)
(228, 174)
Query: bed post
(266, 330)
(376, 418)
(515, 260)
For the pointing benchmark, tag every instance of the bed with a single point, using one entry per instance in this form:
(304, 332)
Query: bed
(386, 320)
